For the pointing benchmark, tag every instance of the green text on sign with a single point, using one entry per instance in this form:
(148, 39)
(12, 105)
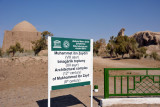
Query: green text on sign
(69, 44)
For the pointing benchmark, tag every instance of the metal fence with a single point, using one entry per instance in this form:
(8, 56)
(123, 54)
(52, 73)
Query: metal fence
(136, 85)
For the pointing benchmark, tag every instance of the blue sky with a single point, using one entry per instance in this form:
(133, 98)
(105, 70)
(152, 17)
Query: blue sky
(82, 18)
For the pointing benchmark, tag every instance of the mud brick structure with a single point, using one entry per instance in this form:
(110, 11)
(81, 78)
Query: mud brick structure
(24, 33)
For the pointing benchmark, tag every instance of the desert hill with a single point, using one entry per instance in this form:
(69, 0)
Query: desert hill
(149, 39)
(146, 38)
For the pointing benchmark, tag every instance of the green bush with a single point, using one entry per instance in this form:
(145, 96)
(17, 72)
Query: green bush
(95, 86)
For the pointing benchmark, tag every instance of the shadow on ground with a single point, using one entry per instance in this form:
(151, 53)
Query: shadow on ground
(61, 101)
(97, 99)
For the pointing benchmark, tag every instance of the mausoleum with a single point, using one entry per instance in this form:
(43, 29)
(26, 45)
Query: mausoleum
(24, 33)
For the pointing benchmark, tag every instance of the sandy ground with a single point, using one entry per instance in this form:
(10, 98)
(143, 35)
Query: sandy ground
(23, 82)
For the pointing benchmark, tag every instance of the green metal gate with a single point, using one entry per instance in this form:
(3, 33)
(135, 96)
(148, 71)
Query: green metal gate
(142, 85)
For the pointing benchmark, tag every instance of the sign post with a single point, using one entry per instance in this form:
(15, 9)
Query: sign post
(70, 64)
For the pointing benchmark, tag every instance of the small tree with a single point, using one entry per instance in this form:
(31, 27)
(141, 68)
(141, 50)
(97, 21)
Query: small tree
(21, 50)
(98, 44)
(12, 49)
(132, 45)
(122, 45)
(111, 46)
(39, 45)
(46, 34)
(1, 52)
(18, 47)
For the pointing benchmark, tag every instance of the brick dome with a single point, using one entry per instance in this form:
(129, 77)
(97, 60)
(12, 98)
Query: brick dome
(24, 26)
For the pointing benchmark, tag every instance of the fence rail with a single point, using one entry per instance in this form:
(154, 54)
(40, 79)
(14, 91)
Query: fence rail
(142, 85)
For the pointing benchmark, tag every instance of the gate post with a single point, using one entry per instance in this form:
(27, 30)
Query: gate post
(106, 83)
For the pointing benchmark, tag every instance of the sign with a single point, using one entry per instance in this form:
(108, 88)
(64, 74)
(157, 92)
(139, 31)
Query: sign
(70, 63)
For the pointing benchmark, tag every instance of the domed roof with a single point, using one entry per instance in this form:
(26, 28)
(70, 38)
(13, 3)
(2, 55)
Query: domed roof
(24, 26)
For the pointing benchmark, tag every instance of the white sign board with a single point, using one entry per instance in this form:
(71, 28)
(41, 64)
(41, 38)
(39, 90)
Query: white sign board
(70, 63)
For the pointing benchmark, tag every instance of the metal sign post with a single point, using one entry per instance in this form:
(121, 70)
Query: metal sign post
(70, 64)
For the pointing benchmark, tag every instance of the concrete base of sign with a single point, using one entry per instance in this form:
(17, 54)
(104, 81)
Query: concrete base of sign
(113, 101)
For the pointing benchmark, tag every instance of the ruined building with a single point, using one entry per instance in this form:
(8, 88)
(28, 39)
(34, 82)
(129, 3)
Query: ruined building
(24, 32)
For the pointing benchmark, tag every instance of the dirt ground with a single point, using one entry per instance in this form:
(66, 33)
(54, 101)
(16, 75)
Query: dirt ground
(23, 82)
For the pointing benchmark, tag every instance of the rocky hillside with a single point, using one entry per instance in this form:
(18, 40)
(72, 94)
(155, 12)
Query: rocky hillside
(146, 38)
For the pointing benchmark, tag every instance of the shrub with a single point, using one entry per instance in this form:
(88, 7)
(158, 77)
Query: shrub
(14, 48)
(142, 50)
(111, 46)
(21, 50)
(95, 86)
(146, 55)
(39, 45)
(46, 34)
(154, 55)
(98, 46)
(18, 46)
(1, 52)
(136, 56)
